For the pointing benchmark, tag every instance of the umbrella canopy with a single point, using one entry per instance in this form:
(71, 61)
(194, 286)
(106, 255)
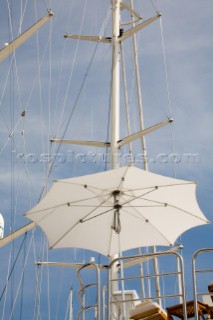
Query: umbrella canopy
(117, 210)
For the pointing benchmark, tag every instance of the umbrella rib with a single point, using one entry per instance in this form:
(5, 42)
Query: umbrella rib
(96, 208)
(97, 195)
(48, 214)
(83, 185)
(79, 221)
(141, 195)
(44, 209)
(140, 217)
(101, 195)
(64, 204)
(138, 197)
(190, 213)
(155, 201)
(90, 188)
(96, 216)
(123, 178)
(165, 205)
(170, 205)
(86, 199)
(96, 188)
(164, 186)
(147, 221)
(152, 206)
(149, 200)
(86, 205)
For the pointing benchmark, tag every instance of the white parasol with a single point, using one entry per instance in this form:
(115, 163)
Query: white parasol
(117, 210)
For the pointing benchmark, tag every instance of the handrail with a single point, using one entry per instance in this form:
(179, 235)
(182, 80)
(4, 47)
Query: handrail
(95, 307)
(194, 271)
(159, 254)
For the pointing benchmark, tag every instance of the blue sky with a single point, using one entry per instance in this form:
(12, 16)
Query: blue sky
(50, 95)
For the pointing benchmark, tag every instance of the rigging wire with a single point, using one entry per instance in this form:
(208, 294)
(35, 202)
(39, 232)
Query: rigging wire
(28, 178)
(139, 95)
(23, 142)
(59, 291)
(12, 268)
(168, 93)
(10, 136)
(141, 118)
(12, 65)
(12, 74)
(107, 137)
(130, 160)
(48, 285)
(40, 96)
(3, 92)
(39, 277)
(67, 309)
(22, 286)
(38, 77)
(50, 85)
(20, 282)
(49, 121)
(168, 101)
(36, 273)
(74, 105)
(61, 67)
(154, 6)
(37, 73)
(13, 144)
(165, 69)
(51, 164)
(22, 10)
(70, 79)
(6, 288)
(37, 295)
(11, 104)
(13, 131)
(45, 4)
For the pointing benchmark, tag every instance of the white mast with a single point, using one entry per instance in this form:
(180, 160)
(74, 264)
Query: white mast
(115, 84)
(115, 143)
(115, 110)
